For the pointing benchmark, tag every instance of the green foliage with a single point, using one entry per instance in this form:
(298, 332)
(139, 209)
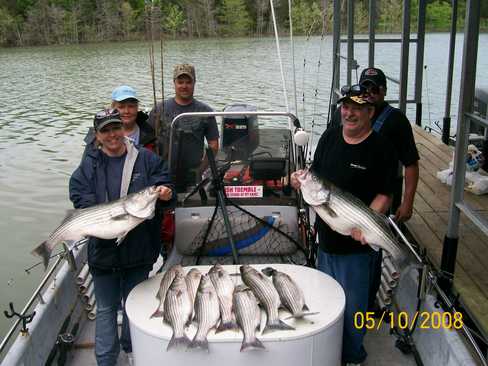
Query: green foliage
(438, 15)
(234, 18)
(25, 22)
(306, 17)
(6, 25)
(174, 20)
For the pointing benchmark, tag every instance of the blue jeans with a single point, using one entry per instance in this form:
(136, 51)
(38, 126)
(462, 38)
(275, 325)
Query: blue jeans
(110, 289)
(354, 273)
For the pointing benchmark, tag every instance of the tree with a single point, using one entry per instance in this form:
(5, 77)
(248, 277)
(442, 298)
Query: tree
(6, 26)
(234, 18)
(174, 20)
(306, 17)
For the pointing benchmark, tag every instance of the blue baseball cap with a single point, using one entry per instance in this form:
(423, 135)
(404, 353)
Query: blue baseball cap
(123, 92)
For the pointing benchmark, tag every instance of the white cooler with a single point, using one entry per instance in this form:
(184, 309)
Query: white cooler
(316, 340)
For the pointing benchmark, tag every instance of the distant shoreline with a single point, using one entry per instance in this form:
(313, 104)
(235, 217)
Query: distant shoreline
(172, 39)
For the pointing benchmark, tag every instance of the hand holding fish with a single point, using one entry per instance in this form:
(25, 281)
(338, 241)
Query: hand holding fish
(294, 179)
(403, 213)
(357, 235)
(165, 193)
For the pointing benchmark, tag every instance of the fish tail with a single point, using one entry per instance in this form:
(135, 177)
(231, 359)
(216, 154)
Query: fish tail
(157, 314)
(254, 343)
(278, 325)
(178, 341)
(301, 314)
(226, 326)
(43, 251)
(199, 343)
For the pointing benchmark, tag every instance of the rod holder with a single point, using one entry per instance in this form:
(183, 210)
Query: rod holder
(26, 319)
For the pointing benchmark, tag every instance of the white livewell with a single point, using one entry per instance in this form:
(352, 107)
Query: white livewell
(316, 341)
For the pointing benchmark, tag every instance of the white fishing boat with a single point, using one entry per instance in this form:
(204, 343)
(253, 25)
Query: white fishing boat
(245, 212)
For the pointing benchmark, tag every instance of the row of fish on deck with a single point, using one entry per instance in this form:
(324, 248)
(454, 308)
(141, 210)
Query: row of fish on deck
(213, 301)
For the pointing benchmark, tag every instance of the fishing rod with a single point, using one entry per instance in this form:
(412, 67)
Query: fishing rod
(308, 149)
(79, 244)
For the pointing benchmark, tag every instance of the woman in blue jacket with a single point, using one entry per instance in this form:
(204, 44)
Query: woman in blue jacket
(114, 170)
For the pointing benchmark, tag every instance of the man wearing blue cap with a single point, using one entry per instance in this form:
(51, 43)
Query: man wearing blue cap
(135, 125)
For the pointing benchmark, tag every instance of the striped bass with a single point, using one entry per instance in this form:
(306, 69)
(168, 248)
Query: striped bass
(291, 295)
(112, 220)
(248, 317)
(192, 280)
(207, 313)
(166, 282)
(267, 295)
(224, 286)
(177, 311)
(343, 212)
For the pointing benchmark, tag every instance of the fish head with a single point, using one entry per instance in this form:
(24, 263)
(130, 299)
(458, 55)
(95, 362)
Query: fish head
(314, 190)
(195, 273)
(245, 268)
(205, 283)
(143, 203)
(216, 268)
(241, 288)
(178, 282)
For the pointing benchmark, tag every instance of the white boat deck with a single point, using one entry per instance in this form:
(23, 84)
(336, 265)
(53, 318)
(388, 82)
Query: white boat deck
(380, 346)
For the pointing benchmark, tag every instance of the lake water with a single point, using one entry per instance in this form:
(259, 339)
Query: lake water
(48, 96)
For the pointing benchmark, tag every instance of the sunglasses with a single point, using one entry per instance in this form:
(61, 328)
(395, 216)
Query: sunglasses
(112, 112)
(353, 90)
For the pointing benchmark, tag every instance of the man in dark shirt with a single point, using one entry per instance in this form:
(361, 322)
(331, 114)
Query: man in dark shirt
(196, 129)
(394, 125)
(356, 159)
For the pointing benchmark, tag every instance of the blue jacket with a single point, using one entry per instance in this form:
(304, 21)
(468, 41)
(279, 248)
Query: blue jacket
(87, 187)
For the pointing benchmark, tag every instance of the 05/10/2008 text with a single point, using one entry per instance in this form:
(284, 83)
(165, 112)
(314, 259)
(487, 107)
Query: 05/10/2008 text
(404, 320)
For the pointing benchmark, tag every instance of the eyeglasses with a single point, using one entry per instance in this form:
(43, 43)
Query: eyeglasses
(353, 90)
(112, 112)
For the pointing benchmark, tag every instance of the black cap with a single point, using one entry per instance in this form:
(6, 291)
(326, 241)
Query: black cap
(374, 76)
(106, 117)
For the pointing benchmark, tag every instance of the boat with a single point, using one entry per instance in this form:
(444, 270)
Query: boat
(243, 211)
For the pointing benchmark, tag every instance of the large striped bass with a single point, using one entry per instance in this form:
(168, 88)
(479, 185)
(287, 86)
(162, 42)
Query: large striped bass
(224, 286)
(177, 311)
(207, 312)
(248, 317)
(112, 220)
(291, 295)
(267, 295)
(164, 285)
(343, 212)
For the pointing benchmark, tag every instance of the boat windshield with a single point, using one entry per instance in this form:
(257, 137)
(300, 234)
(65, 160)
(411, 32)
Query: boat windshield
(250, 155)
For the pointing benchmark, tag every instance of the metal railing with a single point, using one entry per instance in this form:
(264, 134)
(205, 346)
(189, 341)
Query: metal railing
(35, 295)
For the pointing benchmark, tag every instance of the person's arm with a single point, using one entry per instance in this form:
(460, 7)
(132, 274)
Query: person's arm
(81, 189)
(214, 145)
(404, 212)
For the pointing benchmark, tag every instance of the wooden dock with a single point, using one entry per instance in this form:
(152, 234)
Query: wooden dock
(428, 226)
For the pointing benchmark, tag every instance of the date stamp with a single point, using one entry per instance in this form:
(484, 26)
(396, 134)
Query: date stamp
(404, 320)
